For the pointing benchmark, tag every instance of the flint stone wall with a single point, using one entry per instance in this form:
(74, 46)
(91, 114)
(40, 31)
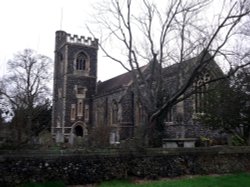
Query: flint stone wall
(83, 167)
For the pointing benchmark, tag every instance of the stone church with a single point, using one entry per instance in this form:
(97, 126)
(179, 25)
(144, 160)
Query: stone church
(80, 103)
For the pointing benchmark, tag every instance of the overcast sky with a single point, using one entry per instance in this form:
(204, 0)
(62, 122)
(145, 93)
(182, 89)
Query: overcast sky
(32, 24)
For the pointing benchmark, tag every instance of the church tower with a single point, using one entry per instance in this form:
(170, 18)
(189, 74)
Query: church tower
(75, 75)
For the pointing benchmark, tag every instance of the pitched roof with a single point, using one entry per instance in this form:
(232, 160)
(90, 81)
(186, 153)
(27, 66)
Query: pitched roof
(124, 79)
(114, 83)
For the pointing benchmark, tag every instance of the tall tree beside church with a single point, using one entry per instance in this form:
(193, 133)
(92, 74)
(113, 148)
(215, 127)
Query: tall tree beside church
(166, 33)
(26, 86)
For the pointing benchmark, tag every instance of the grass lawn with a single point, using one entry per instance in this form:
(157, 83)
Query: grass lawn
(236, 180)
(233, 180)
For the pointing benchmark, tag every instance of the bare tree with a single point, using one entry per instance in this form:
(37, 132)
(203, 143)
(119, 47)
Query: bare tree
(161, 36)
(26, 86)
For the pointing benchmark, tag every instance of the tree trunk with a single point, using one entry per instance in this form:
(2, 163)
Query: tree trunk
(28, 130)
(156, 132)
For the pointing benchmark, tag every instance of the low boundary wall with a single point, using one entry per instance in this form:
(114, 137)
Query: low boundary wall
(82, 167)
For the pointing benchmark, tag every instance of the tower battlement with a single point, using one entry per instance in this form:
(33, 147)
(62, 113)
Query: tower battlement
(82, 40)
(75, 39)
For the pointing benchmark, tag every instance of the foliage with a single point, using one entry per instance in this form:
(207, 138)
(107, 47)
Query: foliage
(45, 138)
(228, 108)
(80, 142)
(238, 141)
(204, 141)
(41, 120)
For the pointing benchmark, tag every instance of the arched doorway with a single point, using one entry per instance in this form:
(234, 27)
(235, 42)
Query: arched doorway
(78, 130)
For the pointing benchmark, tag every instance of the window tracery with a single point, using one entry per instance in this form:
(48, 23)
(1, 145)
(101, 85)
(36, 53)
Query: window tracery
(114, 112)
(201, 88)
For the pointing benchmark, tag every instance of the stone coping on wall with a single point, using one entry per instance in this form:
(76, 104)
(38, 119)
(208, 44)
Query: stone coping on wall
(120, 151)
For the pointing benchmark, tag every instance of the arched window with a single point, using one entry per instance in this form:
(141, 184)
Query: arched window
(169, 116)
(73, 112)
(81, 62)
(100, 115)
(201, 89)
(114, 112)
(80, 108)
(86, 114)
(139, 113)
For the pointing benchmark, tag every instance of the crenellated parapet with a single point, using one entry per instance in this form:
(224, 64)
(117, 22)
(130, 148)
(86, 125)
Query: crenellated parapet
(62, 37)
(82, 40)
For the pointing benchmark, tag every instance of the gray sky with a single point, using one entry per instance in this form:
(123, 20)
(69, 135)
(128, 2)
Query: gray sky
(32, 24)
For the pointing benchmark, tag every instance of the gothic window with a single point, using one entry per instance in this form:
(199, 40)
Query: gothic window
(139, 113)
(201, 89)
(100, 115)
(169, 117)
(73, 112)
(114, 112)
(86, 113)
(80, 108)
(81, 62)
